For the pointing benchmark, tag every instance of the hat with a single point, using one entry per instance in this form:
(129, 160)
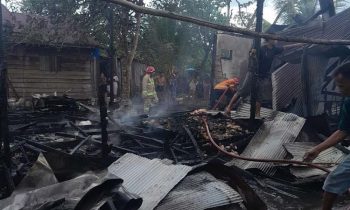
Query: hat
(150, 69)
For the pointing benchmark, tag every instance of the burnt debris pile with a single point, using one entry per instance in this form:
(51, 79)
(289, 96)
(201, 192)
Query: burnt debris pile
(155, 161)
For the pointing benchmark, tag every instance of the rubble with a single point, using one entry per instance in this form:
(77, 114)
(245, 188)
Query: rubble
(147, 152)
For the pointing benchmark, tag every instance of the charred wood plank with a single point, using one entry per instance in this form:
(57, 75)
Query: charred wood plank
(67, 135)
(80, 144)
(97, 131)
(195, 144)
(143, 138)
(174, 156)
(25, 127)
(78, 129)
(116, 148)
(72, 118)
(181, 150)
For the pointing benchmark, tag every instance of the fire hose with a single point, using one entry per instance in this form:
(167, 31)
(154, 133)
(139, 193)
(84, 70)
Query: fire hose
(311, 165)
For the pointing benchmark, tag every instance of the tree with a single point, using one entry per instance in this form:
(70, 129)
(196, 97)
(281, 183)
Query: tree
(94, 17)
(167, 42)
(297, 11)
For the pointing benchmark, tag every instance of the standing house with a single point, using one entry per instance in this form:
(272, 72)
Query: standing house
(231, 56)
(43, 58)
(306, 75)
(301, 79)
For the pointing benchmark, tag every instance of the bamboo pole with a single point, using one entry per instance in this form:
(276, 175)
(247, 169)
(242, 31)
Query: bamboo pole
(201, 22)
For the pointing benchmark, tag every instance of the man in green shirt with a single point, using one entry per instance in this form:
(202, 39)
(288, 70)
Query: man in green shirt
(338, 181)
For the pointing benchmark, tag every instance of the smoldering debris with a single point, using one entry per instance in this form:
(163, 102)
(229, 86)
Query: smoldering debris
(65, 146)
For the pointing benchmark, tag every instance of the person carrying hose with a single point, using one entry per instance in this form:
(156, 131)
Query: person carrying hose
(149, 94)
(338, 181)
(225, 88)
(268, 52)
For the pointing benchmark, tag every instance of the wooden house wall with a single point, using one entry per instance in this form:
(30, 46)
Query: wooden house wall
(38, 71)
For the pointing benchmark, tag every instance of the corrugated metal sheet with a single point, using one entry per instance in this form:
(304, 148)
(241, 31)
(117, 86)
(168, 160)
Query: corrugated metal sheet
(150, 179)
(298, 150)
(198, 192)
(243, 111)
(316, 66)
(337, 27)
(286, 85)
(268, 141)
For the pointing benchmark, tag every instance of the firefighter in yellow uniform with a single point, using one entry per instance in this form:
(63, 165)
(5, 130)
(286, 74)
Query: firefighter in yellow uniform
(149, 93)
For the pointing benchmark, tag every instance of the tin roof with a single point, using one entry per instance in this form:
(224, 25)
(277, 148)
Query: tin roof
(150, 179)
(298, 150)
(268, 142)
(198, 192)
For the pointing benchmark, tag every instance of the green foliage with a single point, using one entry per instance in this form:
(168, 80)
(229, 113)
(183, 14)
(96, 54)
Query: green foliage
(91, 16)
(167, 42)
(301, 10)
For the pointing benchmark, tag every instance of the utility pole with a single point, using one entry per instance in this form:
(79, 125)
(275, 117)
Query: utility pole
(257, 46)
(5, 154)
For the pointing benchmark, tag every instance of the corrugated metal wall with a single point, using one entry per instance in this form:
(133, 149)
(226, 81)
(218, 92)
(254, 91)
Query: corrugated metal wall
(286, 84)
(317, 67)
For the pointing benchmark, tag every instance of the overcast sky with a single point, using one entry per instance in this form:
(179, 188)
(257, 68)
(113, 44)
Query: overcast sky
(269, 12)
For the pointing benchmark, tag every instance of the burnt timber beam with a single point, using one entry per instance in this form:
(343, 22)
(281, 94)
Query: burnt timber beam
(79, 145)
(257, 46)
(194, 141)
(201, 22)
(144, 138)
(5, 151)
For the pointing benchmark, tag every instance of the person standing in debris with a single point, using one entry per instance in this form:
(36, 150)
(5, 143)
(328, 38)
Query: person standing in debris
(264, 84)
(160, 87)
(192, 85)
(173, 86)
(225, 88)
(149, 94)
(338, 181)
(206, 88)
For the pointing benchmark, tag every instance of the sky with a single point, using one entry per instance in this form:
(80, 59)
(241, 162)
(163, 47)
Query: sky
(269, 11)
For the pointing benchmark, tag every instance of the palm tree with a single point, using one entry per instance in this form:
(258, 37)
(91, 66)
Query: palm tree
(292, 11)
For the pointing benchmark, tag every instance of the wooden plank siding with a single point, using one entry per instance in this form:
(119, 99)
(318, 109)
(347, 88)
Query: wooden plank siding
(43, 71)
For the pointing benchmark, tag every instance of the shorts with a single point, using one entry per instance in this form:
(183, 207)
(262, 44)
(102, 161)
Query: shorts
(245, 88)
(264, 88)
(338, 181)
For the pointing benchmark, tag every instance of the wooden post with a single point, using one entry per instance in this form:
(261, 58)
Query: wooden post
(257, 44)
(213, 65)
(112, 55)
(5, 153)
(305, 84)
(103, 117)
(327, 5)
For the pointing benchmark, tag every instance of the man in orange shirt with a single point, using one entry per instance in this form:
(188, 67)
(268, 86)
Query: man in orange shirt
(228, 86)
